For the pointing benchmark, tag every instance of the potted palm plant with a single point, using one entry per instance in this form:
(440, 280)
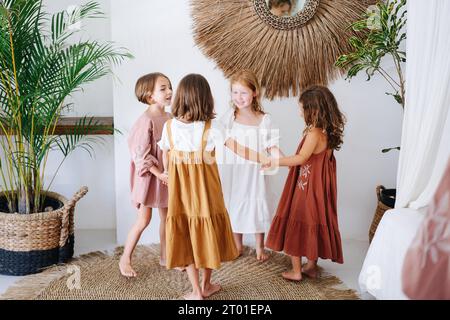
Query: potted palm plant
(380, 35)
(38, 71)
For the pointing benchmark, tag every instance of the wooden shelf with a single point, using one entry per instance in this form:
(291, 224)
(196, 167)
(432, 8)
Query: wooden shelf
(66, 125)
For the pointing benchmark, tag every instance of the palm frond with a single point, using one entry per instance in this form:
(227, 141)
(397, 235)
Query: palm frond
(64, 23)
(80, 136)
(38, 72)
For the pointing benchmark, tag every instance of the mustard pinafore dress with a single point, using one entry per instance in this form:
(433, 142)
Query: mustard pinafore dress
(198, 229)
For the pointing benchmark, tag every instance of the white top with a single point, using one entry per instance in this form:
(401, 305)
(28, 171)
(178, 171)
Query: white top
(259, 138)
(187, 137)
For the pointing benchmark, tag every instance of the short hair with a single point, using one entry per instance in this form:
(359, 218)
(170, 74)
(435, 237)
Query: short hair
(146, 84)
(193, 99)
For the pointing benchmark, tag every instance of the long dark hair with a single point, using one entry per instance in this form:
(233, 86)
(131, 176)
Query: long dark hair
(320, 110)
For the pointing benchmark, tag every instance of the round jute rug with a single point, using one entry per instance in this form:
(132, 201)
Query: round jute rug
(96, 276)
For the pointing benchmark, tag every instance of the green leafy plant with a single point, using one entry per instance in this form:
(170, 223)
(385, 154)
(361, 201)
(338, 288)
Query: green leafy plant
(380, 33)
(39, 70)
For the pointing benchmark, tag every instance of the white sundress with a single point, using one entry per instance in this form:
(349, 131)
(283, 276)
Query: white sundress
(248, 197)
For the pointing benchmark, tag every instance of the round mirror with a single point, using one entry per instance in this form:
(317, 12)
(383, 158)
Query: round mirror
(285, 8)
(286, 14)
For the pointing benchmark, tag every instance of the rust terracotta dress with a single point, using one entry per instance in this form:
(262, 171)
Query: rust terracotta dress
(306, 224)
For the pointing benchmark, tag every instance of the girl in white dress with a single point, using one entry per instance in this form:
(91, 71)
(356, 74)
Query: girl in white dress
(247, 195)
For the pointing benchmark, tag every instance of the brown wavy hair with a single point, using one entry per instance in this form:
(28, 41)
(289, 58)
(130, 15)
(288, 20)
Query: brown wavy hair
(320, 110)
(193, 100)
(249, 79)
(145, 86)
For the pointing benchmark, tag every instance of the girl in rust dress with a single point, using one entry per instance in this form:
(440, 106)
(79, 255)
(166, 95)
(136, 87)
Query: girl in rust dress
(306, 223)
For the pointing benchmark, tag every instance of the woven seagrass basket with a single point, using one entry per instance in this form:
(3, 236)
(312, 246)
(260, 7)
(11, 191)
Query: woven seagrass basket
(32, 242)
(379, 212)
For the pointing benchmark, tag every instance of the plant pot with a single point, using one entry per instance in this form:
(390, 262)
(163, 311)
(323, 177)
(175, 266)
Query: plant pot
(387, 196)
(386, 201)
(31, 242)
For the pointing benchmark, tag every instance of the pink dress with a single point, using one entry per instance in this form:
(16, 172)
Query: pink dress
(146, 189)
(426, 268)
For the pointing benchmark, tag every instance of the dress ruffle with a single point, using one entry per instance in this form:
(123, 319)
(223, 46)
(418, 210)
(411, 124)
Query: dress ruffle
(199, 241)
(305, 240)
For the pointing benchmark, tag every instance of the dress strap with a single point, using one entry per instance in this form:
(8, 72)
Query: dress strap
(205, 134)
(169, 133)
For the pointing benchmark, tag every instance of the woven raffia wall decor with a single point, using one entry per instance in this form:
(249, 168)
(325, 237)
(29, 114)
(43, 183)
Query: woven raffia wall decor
(286, 53)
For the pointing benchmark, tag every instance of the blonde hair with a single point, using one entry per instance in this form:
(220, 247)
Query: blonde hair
(248, 79)
(145, 86)
(193, 100)
(320, 110)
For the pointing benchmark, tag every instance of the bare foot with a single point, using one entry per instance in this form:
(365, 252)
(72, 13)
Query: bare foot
(311, 272)
(126, 269)
(291, 275)
(193, 296)
(162, 262)
(210, 289)
(261, 254)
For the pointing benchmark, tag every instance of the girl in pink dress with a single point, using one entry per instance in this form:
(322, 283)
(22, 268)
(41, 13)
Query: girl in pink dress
(148, 179)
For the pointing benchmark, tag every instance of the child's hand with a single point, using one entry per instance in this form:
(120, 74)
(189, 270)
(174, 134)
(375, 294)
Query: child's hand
(269, 164)
(263, 158)
(164, 177)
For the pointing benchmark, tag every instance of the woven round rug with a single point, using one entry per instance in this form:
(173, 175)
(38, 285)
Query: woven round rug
(96, 276)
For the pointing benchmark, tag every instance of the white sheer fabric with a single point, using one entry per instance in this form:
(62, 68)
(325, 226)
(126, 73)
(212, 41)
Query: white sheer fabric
(423, 156)
(425, 146)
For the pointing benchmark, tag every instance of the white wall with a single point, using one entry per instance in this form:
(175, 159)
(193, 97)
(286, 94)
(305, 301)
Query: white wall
(96, 99)
(97, 209)
(161, 40)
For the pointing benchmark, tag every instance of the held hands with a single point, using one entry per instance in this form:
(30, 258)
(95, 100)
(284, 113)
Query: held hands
(269, 163)
(164, 177)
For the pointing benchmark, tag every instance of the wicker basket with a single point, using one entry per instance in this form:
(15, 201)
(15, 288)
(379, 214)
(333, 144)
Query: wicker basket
(31, 242)
(379, 212)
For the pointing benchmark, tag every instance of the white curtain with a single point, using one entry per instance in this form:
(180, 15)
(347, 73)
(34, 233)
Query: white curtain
(425, 146)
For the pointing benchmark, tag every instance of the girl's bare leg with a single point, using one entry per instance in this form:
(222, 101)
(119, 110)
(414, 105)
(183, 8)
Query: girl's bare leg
(238, 241)
(310, 269)
(196, 293)
(209, 288)
(144, 217)
(260, 252)
(162, 235)
(296, 272)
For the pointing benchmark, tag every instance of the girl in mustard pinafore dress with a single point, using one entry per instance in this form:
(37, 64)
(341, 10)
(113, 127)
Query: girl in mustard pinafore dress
(306, 223)
(198, 229)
